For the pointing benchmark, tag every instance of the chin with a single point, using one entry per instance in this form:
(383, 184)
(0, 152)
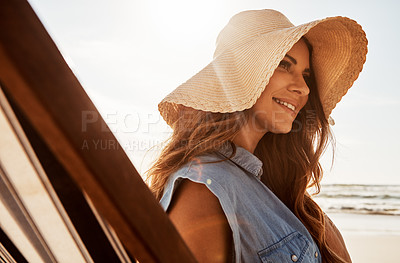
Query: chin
(284, 129)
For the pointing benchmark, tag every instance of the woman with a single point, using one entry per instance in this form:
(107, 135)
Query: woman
(248, 132)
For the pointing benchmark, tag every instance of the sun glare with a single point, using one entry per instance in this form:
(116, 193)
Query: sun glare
(179, 19)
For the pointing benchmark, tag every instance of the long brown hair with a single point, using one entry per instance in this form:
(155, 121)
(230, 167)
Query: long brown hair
(291, 166)
(194, 133)
(290, 161)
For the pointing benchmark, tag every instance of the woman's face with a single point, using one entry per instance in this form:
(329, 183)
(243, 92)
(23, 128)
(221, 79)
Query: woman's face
(286, 93)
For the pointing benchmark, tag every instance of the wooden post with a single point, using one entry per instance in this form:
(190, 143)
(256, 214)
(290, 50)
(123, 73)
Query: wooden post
(35, 76)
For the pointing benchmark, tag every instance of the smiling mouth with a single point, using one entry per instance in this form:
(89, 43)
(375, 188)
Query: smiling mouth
(284, 103)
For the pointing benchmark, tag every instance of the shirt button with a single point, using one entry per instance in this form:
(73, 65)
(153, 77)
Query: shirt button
(294, 258)
(316, 254)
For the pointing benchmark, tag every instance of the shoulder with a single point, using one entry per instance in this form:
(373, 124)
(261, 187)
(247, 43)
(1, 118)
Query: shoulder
(206, 170)
(212, 168)
(194, 195)
(199, 218)
(222, 176)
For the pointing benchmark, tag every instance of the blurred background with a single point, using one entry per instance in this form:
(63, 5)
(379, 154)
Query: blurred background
(129, 54)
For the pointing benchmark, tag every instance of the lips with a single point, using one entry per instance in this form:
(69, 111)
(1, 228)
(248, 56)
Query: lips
(286, 103)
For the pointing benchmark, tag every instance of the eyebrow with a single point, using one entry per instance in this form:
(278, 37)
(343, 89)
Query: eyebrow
(294, 61)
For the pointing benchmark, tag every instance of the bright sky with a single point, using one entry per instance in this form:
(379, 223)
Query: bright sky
(129, 54)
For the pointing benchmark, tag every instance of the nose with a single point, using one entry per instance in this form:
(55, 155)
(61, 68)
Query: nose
(300, 86)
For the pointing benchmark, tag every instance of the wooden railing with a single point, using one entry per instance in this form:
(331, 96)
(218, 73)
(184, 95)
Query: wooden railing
(50, 100)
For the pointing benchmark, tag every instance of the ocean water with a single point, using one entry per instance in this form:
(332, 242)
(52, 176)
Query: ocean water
(360, 199)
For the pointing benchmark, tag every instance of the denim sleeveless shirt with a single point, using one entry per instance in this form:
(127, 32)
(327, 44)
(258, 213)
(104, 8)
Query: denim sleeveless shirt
(263, 228)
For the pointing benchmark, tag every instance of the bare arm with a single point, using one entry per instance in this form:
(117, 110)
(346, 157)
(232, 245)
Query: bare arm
(198, 217)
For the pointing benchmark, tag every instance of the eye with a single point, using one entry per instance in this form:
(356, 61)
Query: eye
(285, 65)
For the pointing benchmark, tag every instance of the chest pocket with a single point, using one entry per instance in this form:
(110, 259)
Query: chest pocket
(292, 248)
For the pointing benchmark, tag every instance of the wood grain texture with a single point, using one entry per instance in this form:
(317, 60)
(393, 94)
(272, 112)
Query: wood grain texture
(34, 74)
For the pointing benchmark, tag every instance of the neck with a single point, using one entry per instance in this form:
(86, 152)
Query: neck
(248, 138)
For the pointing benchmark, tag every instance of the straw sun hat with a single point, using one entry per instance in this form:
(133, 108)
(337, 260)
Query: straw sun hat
(250, 48)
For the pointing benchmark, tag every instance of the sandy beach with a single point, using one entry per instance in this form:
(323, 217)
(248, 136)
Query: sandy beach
(370, 238)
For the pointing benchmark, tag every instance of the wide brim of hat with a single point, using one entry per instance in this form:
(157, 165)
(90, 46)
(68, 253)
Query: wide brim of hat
(235, 79)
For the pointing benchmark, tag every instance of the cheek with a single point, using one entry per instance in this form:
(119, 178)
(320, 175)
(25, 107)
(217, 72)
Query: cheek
(304, 102)
(263, 100)
(277, 80)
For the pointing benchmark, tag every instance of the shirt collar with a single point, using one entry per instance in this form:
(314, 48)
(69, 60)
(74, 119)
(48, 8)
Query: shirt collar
(243, 158)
